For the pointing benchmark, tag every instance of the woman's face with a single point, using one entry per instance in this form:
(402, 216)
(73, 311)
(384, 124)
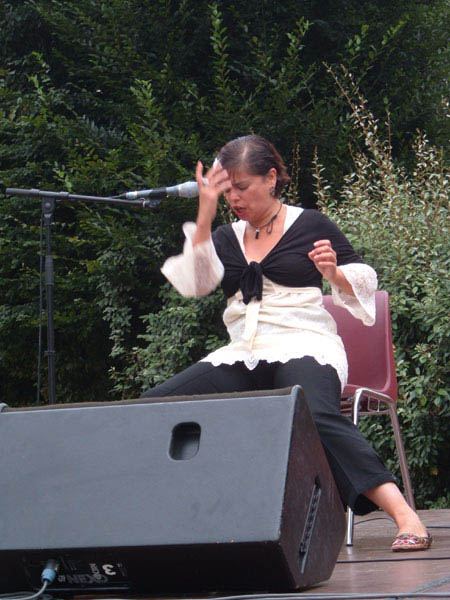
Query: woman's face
(249, 195)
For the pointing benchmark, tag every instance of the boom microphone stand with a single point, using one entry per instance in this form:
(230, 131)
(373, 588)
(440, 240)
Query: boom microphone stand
(48, 203)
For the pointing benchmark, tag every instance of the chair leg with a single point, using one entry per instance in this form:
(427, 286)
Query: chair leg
(402, 457)
(350, 514)
(350, 522)
(398, 444)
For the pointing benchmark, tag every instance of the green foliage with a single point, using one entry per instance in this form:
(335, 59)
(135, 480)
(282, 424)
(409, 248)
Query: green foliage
(400, 223)
(179, 334)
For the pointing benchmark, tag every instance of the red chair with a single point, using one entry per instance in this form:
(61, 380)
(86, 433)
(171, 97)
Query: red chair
(372, 383)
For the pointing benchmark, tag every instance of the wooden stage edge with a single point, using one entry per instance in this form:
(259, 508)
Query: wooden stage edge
(368, 568)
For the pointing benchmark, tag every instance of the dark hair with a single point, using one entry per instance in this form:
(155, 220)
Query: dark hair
(257, 156)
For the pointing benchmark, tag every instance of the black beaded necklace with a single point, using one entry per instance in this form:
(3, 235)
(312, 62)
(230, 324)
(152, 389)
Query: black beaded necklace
(269, 224)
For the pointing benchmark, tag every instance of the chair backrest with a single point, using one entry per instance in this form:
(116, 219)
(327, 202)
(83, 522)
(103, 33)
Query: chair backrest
(369, 350)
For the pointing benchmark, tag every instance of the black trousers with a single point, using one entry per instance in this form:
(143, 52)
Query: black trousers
(355, 465)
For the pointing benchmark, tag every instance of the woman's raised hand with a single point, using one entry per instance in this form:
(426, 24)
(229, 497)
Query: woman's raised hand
(217, 181)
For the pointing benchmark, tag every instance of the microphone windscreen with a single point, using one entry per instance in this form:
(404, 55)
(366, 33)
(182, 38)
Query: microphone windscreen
(188, 189)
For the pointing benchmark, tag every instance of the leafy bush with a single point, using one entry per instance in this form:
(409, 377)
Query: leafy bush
(399, 222)
(182, 332)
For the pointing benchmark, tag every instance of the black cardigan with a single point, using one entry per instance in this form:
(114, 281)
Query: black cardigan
(287, 263)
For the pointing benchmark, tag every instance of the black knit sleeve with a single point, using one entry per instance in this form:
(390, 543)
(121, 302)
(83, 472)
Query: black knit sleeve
(230, 254)
(328, 230)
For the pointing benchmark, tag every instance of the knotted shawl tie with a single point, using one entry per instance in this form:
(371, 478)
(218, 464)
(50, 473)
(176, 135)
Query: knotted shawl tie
(251, 283)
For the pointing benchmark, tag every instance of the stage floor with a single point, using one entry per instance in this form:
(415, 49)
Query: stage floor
(370, 568)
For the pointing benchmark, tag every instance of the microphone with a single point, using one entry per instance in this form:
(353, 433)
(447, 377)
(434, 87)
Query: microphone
(188, 189)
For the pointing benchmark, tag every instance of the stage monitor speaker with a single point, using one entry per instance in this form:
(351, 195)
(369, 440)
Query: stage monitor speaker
(226, 492)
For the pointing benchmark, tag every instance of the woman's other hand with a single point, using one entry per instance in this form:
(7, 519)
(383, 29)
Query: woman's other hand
(325, 261)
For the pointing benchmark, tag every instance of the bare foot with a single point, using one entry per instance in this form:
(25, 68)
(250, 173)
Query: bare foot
(389, 498)
(411, 523)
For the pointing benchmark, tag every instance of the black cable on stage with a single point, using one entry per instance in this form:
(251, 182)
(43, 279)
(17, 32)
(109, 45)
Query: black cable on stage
(392, 520)
(301, 596)
(374, 519)
(399, 559)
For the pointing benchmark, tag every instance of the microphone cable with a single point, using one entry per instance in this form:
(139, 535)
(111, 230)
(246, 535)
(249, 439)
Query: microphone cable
(47, 577)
